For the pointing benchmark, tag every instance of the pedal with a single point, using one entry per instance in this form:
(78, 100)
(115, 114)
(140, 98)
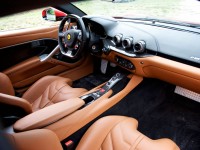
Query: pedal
(104, 65)
(187, 93)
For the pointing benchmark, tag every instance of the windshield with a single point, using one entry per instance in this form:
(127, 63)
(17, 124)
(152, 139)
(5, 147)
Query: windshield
(177, 10)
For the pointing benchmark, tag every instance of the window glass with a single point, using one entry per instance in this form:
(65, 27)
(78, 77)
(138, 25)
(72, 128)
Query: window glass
(178, 10)
(23, 20)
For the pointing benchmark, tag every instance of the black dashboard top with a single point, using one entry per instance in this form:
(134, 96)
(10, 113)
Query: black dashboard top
(136, 39)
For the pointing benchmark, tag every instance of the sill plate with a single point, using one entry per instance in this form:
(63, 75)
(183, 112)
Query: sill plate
(187, 93)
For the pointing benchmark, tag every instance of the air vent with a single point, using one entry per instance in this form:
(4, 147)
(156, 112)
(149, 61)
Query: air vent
(117, 39)
(127, 43)
(140, 47)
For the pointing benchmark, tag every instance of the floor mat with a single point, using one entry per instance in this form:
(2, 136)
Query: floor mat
(163, 114)
(91, 81)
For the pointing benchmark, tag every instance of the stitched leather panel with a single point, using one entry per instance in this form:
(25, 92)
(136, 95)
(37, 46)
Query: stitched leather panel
(56, 92)
(6, 85)
(41, 139)
(125, 139)
(38, 88)
(117, 133)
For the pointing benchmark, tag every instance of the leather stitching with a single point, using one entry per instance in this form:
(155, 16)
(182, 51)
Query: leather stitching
(122, 133)
(51, 99)
(58, 92)
(111, 140)
(117, 123)
(136, 142)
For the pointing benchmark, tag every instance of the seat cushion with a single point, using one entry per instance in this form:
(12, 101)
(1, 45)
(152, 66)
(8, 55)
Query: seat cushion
(50, 90)
(117, 132)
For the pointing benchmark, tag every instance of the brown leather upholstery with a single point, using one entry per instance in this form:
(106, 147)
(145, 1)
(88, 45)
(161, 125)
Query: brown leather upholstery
(41, 139)
(6, 85)
(49, 115)
(108, 133)
(49, 90)
(16, 101)
(46, 91)
(117, 132)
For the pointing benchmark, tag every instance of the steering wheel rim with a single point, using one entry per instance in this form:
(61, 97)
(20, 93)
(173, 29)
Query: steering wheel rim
(72, 41)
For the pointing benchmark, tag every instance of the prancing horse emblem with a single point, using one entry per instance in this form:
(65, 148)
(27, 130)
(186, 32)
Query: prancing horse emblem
(68, 36)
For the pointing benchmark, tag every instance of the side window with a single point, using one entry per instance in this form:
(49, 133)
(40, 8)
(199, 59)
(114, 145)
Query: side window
(23, 20)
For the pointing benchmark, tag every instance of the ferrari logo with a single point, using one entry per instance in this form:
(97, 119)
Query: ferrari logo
(68, 36)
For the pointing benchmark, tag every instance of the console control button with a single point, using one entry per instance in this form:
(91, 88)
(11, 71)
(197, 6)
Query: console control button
(124, 63)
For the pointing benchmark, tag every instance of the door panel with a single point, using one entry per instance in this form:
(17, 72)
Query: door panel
(11, 38)
(19, 56)
(29, 71)
(12, 55)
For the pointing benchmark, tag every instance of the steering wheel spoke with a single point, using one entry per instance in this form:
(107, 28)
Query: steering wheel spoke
(79, 38)
(61, 34)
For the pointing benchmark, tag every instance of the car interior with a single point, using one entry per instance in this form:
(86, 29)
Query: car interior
(97, 82)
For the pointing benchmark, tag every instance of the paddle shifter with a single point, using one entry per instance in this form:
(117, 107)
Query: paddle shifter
(95, 95)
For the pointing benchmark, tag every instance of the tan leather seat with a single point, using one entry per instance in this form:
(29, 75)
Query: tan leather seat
(108, 133)
(46, 91)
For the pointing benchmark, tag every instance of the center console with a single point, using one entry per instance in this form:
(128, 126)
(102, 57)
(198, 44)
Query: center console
(89, 98)
(67, 117)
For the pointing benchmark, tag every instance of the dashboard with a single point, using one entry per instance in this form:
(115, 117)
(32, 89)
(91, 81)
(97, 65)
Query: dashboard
(135, 39)
(167, 52)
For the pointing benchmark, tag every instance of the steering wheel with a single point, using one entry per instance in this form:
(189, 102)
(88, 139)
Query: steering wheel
(73, 40)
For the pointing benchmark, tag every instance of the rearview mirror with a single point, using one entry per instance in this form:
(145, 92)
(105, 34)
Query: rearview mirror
(52, 14)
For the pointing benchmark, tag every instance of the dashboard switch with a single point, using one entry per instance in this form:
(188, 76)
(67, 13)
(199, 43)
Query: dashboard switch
(95, 49)
(124, 63)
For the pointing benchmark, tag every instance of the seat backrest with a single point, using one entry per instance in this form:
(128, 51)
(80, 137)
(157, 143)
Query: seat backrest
(120, 133)
(6, 86)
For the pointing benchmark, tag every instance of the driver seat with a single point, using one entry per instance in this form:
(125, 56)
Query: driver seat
(44, 92)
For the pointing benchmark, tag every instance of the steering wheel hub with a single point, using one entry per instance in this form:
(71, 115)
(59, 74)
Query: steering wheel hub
(70, 37)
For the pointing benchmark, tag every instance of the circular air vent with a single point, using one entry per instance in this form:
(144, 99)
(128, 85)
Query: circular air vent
(140, 47)
(127, 43)
(117, 39)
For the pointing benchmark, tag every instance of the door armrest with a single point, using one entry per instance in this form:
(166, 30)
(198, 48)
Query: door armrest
(16, 101)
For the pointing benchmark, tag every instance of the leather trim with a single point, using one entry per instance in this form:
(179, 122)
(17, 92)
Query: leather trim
(38, 88)
(100, 130)
(32, 62)
(164, 69)
(70, 124)
(6, 85)
(85, 68)
(118, 132)
(36, 139)
(48, 115)
(29, 71)
(16, 101)
(20, 36)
